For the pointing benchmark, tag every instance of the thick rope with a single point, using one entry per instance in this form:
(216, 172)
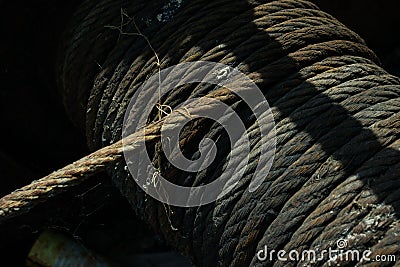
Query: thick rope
(41, 190)
(24, 199)
(336, 116)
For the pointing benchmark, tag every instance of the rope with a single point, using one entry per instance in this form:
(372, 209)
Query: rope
(336, 114)
(24, 199)
(41, 190)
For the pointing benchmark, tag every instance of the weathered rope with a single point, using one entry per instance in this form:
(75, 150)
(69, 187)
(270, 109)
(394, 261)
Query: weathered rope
(336, 112)
(327, 92)
(24, 199)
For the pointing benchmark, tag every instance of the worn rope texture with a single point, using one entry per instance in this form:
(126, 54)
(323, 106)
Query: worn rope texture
(337, 116)
(24, 199)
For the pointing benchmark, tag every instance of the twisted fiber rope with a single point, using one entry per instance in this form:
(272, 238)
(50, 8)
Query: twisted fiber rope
(302, 141)
(335, 112)
(118, 100)
(24, 199)
(309, 195)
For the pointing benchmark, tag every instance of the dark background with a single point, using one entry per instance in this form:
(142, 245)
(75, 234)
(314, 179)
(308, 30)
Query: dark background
(37, 137)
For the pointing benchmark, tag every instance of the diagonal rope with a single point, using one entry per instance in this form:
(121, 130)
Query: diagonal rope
(24, 199)
(39, 191)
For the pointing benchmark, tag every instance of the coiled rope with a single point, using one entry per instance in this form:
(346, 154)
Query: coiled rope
(336, 112)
